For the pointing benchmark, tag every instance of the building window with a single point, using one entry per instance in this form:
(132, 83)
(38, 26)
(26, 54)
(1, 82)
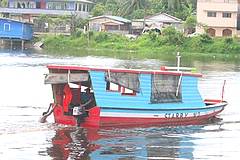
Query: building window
(227, 33)
(211, 14)
(111, 27)
(38, 5)
(6, 27)
(238, 22)
(76, 5)
(226, 15)
(84, 8)
(211, 32)
(80, 7)
(124, 28)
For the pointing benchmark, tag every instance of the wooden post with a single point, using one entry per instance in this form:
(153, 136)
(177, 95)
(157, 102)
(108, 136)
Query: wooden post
(2, 44)
(22, 45)
(11, 44)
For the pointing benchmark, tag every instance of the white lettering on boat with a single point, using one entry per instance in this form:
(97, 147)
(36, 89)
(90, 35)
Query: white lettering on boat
(181, 115)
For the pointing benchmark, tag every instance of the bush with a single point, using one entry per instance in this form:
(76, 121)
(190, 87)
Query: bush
(77, 33)
(172, 36)
(150, 43)
(205, 38)
(101, 36)
(228, 40)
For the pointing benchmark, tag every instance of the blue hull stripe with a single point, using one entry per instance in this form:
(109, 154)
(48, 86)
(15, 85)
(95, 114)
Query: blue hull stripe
(182, 109)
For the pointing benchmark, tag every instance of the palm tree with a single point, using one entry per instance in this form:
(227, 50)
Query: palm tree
(129, 6)
(177, 5)
(178, 8)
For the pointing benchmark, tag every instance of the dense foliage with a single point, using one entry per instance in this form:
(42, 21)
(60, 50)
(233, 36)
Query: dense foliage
(139, 8)
(148, 45)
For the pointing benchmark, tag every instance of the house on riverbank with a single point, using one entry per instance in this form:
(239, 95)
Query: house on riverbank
(156, 22)
(113, 24)
(218, 17)
(33, 10)
(15, 31)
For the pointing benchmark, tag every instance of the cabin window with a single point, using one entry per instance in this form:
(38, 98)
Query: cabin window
(125, 83)
(126, 91)
(6, 27)
(166, 89)
(113, 87)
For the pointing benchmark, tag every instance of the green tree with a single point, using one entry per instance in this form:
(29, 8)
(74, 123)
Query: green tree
(43, 22)
(129, 6)
(190, 24)
(157, 6)
(172, 36)
(98, 9)
(179, 8)
(137, 14)
(112, 6)
(186, 11)
(4, 3)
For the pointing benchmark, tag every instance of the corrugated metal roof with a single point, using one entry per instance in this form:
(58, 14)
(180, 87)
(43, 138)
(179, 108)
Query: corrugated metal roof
(163, 17)
(116, 18)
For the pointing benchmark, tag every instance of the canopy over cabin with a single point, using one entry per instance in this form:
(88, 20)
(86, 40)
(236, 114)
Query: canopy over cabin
(136, 88)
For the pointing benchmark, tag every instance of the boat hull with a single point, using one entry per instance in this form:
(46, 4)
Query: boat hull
(102, 117)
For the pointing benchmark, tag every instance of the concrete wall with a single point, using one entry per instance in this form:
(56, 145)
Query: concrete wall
(219, 23)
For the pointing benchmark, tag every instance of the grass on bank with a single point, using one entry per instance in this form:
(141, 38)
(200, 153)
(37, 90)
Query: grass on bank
(149, 45)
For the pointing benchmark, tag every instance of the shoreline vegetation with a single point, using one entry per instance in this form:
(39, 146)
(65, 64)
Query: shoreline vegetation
(151, 45)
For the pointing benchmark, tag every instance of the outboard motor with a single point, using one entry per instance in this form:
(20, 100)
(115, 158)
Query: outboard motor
(79, 113)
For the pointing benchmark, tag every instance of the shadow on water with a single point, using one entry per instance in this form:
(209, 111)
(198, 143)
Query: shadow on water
(148, 142)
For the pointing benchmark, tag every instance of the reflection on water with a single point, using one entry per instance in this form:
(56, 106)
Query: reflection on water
(24, 97)
(126, 143)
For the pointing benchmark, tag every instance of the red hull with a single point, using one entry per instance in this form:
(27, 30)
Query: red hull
(94, 119)
(119, 121)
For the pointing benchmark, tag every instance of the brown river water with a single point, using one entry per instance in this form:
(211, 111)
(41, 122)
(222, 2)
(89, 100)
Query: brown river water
(23, 98)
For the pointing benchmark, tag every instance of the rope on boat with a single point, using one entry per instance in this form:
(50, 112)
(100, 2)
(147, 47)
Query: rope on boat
(47, 113)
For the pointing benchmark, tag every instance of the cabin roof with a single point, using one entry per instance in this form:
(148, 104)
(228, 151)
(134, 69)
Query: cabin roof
(138, 71)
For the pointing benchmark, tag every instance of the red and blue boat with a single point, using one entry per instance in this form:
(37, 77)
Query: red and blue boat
(90, 96)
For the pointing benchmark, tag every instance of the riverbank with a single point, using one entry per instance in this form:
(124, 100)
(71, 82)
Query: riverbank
(150, 45)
